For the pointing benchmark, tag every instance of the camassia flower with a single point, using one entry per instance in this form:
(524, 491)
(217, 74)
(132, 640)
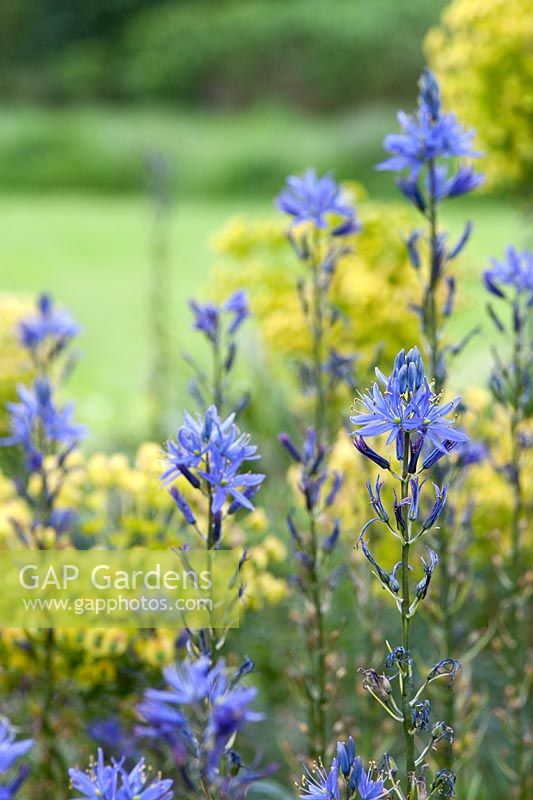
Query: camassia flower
(346, 777)
(426, 137)
(209, 318)
(10, 752)
(317, 200)
(514, 271)
(199, 715)
(113, 782)
(38, 425)
(406, 406)
(210, 452)
(50, 327)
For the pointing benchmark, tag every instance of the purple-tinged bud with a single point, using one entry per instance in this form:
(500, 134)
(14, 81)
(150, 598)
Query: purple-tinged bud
(183, 505)
(517, 320)
(415, 497)
(398, 512)
(429, 98)
(491, 286)
(410, 189)
(436, 454)
(230, 358)
(429, 566)
(403, 378)
(331, 540)
(338, 480)
(217, 527)
(454, 252)
(310, 445)
(412, 249)
(448, 305)
(286, 441)
(193, 480)
(415, 446)
(293, 531)
(362, 447)
(246, 668)
(244, 558)
(440, 501)
(375, 499)
(346, 756)
(399, 361)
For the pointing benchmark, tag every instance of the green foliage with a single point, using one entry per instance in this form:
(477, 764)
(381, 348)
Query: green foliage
(226, 154)
(304, 52)
(315, 54)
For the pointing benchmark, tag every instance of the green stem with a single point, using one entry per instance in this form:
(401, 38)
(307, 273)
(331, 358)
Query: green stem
(317, 327)
(517, 628)
(218, 393)
(431, 322)
(318, 708)
(407, 683)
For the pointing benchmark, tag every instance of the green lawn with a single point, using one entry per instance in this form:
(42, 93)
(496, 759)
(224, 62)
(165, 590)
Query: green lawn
(92, 253)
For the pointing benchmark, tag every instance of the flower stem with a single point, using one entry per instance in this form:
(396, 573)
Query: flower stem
(407, 683)
(318, 709)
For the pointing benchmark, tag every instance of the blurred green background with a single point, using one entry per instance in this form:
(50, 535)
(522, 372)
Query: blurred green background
(234, 94)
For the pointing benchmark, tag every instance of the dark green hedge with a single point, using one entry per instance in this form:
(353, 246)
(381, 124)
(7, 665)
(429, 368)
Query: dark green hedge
(317, 54)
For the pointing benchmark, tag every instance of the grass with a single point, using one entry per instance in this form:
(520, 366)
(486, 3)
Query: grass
(74, 221)
(211, 154)
(93, 252)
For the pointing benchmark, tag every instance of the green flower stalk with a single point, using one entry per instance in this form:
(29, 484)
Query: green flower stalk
(511, 281)
(411, 415)
(322, 218)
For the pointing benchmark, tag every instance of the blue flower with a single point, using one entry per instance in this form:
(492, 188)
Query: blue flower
(49, 326)
(206, 319)
(225, 478)
(37, 424)
(321, 785)
(346, 756)
(208, 316)
(313, 199)
(199, 691)
(406, 406)
(214, 450)
(190, 682)
(10, 749)
(428, 135)
(113, 782)
(237, 304)
(516, 271)
(369, 789)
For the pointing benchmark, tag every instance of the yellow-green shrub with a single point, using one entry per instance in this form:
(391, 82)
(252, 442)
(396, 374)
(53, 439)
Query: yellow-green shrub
(256, 254)
(483, 54)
